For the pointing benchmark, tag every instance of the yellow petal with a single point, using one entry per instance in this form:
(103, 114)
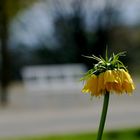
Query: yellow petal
(117, 87)
(108, 76)
(101, 86)
(118, 75)
(108, 86)
(90, 85)
(127, 77)
(94, 87)
(128, 87)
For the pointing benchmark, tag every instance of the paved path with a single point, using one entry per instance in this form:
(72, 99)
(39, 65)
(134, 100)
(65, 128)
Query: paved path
(29, 114)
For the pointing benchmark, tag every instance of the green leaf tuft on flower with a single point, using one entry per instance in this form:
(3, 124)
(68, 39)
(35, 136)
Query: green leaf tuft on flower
(109, 63)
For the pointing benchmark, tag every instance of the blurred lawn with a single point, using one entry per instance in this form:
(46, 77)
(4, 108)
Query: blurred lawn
(128, 134)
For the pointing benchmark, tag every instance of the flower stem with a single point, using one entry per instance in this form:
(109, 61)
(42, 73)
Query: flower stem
(103, 116)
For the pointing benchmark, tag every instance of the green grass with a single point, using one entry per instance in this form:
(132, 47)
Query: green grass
(128, 134)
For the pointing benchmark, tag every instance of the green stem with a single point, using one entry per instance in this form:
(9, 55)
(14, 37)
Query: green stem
(103, 116)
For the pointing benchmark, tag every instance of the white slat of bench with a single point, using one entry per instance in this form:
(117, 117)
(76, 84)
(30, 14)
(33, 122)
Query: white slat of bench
(52, 77)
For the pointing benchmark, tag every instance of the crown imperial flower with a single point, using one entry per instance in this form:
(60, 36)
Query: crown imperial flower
(108, 75)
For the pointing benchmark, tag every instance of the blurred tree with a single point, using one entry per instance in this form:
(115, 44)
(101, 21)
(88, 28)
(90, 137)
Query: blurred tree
(70, 33)
(72, 36)
(25, 57)
(107, 19)
(8, 8)
(43, 55)
(79, 32)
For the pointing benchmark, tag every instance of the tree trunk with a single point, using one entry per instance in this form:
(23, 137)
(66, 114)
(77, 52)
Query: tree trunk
(4, 53)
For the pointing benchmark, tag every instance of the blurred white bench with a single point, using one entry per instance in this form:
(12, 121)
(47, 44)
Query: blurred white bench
(53, 77)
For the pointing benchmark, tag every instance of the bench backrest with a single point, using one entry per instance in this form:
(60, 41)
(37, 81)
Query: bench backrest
(52, 76)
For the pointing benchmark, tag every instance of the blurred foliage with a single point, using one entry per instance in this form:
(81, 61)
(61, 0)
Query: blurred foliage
(14, 6)
(127, 38)
(72, 39)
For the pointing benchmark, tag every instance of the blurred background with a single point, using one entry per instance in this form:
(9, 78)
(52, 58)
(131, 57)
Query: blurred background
(42, 43)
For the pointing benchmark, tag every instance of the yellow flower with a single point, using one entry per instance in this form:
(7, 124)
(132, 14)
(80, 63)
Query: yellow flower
(107, 76)
(117, 80)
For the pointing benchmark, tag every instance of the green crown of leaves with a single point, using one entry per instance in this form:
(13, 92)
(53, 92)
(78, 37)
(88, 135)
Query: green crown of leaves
(109, 63)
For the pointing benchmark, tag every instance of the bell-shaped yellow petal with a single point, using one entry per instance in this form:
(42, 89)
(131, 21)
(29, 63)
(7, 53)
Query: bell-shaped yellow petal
(127, 77)
(128, 87)
(118, 76)
(117, 87)
(109, 76)
(108, 86)
(90, 85)
(101, 86)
